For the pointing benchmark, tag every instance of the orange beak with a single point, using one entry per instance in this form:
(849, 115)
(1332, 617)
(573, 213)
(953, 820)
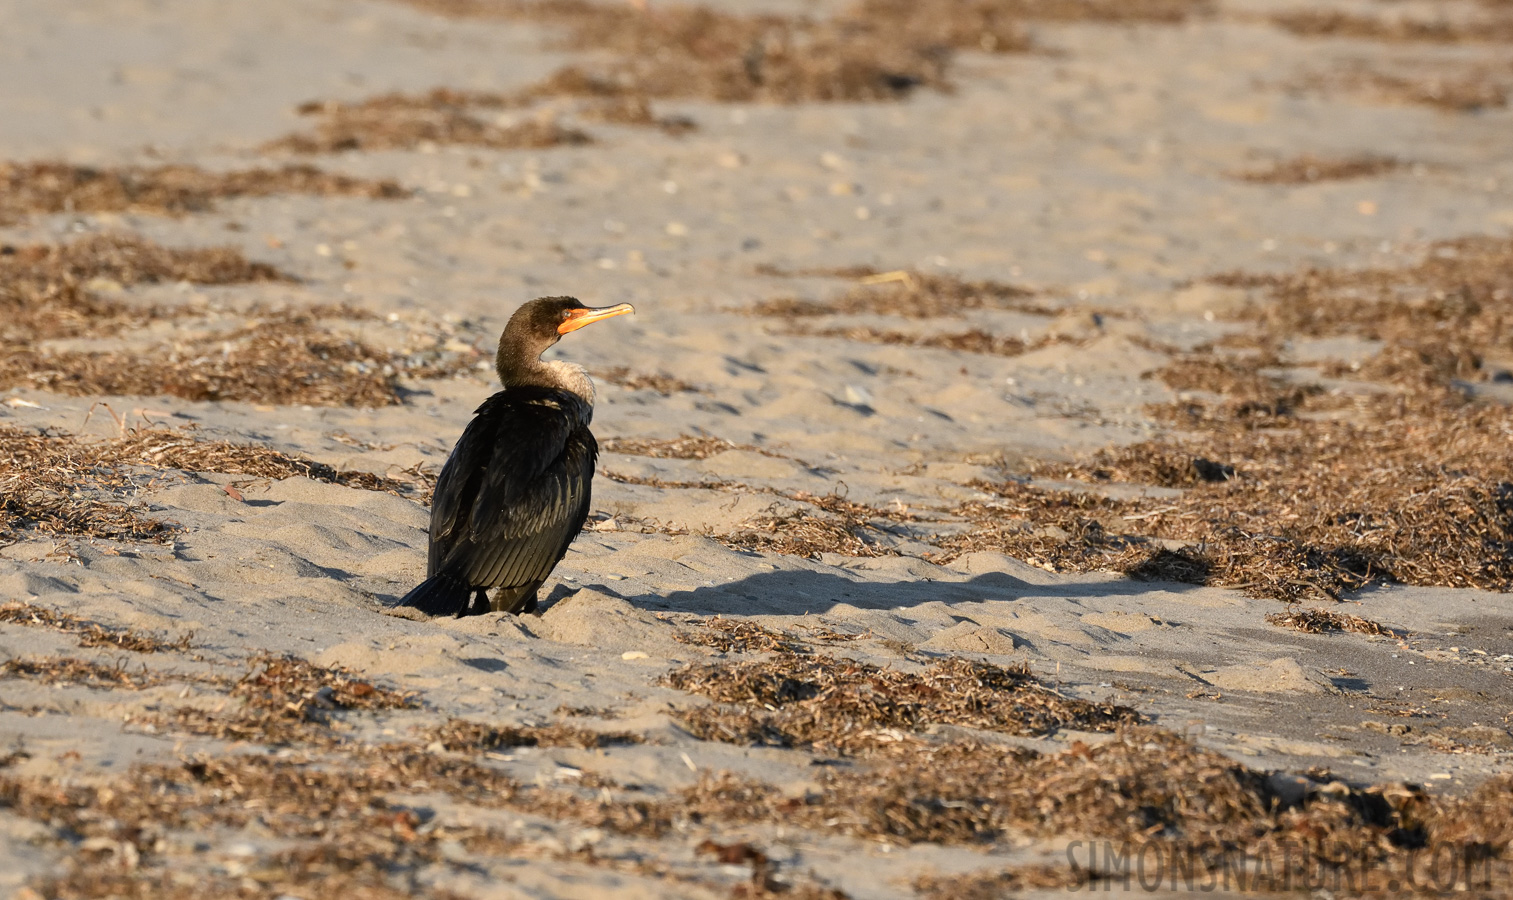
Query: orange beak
(577, 318)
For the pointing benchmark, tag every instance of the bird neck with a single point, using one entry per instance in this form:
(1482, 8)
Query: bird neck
(555, 373)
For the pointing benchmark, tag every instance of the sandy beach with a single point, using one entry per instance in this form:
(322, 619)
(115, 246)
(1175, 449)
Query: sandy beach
(1043, 427)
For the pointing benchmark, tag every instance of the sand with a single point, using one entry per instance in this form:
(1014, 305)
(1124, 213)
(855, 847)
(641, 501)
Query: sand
(1098, 171)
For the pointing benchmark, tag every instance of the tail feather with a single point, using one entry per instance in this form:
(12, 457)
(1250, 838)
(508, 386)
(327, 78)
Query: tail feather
(443, 594)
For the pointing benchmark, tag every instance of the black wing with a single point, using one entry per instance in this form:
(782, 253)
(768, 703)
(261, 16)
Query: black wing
(515, 491)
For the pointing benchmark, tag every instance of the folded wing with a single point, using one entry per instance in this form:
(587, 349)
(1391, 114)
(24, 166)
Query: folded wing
(515, 491)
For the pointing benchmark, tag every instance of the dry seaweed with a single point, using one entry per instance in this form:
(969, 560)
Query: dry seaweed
(406, 122)
(797, 532)
(1186, 809)
(54, 187)
(288, 700)
(91, 634)
(52, 485)
(53, 290)
(1467, 89)
(972, 341)
(164, 448)
(666, 385)
(1314, 511)
(994, 885)
(63, 671)
(733, 635)
(58, 484)
(1307, 169)
(1451, 310)
(460, 736)
(277, 356)
(1294, 492)
(693, 52)
(1497, 27)
(1321, 621)
(341, 829)
(1142, 785)
(909, 293)
(339, 835)
(879, 50)
(818, 700)
(685, 446)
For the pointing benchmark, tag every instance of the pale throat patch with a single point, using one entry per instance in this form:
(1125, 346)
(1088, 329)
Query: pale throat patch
(573, 377)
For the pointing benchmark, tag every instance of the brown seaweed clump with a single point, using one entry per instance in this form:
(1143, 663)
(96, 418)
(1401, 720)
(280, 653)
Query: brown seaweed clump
(54, 187)
(740, 636)
(61, 485)
(70, 291)
(849, 531)
(1321, 621)
(907, 293)
(816, 700)
(1295, 491)
(1497, 27)
(972, 341)
(405, 122)
(662, 383)
(287, 700)
(685, 446)
(459, 736)
(91, 634)
(1307, 169)
(49, 485)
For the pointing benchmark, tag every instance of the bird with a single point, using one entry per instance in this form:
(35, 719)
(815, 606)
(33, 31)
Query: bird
(515, 490)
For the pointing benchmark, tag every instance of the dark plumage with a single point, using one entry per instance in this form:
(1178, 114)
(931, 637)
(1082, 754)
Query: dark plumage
(515, 491)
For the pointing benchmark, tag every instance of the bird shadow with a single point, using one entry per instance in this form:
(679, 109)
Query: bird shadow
(804, 592)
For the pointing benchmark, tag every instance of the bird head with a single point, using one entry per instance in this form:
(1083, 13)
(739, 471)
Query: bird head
(542, 322)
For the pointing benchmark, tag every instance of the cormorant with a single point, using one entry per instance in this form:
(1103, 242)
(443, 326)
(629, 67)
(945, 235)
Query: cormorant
(515, 491)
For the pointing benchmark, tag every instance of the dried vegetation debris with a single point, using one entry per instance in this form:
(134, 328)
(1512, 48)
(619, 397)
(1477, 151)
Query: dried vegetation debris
(462, 736)
(921, 295)
(908, 293)
(1494, 25)
(339, 835)
(50, 291)
(816, 700)
(165, 448)
(1308, 168)
(287, 700)
(1179, 804)
(1293, 491)
(91, 634)
(53, 485)
(72, 291)
(341, 828)
(1321, 621)
(406, 122)
(997, 884)
(59, 484)
(848, 530)
(877, 50)
(64, 671)
(55, 187)
(693, 52)
(1451, 311)
(1143, 784)
(739, 636)
(974, 340)
(685, 446)
(662, 383)
(332, 798)
(1456, 86)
